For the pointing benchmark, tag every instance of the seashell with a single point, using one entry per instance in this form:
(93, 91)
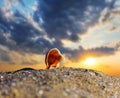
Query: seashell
(53, 58)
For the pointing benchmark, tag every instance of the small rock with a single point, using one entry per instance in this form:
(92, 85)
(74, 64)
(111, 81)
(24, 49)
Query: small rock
(40, 92)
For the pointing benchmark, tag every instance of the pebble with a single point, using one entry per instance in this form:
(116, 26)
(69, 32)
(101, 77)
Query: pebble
(40, 92)
(1, 77)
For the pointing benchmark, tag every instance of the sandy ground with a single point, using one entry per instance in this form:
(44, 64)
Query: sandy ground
(58, 83)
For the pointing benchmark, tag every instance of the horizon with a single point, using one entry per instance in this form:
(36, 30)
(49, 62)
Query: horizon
(87, 33)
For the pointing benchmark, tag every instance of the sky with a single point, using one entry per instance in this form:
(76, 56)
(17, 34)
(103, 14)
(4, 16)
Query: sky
(80, 29)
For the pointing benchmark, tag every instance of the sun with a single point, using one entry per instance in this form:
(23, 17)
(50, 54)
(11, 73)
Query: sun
(90, 61)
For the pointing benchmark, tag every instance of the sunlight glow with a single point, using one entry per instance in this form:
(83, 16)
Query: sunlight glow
(90, 61)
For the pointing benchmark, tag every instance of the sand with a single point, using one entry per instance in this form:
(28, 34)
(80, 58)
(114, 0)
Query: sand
(58, 83)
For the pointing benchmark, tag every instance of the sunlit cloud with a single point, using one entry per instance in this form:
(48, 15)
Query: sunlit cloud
(19, 57)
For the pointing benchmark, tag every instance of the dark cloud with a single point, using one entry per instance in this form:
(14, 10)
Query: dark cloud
(18, 58)
(101, 51)
(75, 16)
(20, 30)
(81, 53)
(4, 55)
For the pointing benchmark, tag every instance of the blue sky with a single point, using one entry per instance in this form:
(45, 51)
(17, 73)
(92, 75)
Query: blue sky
(75, 27)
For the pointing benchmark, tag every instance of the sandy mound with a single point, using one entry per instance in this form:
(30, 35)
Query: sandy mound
(58, 83)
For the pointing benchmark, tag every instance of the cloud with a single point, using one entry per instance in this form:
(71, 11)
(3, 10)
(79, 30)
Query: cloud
(100, 51)
(3, 54)
(18, 57)
(22, 58)
(21, 31)
(112, 29)
(48, 24)
(60, 16)
(118, 46)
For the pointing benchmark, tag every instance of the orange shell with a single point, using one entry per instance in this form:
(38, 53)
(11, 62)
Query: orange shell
(52, 58)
